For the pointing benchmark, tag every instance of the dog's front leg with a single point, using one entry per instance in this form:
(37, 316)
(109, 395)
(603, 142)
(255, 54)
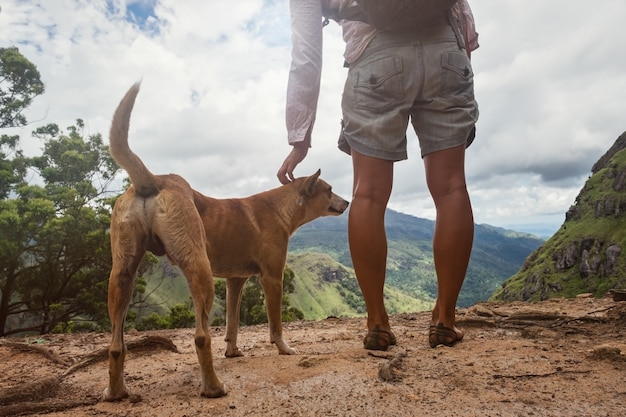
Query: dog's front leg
(234, 291)
(273, 288)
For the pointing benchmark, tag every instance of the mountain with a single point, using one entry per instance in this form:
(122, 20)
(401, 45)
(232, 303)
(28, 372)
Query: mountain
(586, 254)
(325, 287)
(497, 254)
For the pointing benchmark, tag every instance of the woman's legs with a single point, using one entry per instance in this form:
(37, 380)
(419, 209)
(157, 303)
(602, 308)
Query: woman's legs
(373, 179)
(454, 229)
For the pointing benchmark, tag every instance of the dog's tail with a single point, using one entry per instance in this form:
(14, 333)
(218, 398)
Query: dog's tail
(144, 181)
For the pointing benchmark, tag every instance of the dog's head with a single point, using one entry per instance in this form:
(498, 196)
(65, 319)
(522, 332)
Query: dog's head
(318, 198)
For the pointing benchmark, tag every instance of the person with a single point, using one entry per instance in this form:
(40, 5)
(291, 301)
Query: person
(422, 75)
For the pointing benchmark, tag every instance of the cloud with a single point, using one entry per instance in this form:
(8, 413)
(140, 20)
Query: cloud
(549, 81)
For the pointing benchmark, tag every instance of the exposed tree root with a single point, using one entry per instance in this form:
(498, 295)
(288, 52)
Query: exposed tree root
(548, 374)
(148, 343)
(35, 397)
(38, 349)
(28, 408)
(31, 391)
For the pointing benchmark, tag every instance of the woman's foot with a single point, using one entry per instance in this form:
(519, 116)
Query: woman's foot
(379, 339)
(442, 335)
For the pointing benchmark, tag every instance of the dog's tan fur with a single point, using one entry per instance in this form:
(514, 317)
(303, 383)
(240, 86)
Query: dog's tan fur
(228, 238)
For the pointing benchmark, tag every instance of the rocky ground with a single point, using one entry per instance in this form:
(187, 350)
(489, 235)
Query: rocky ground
(554, 358)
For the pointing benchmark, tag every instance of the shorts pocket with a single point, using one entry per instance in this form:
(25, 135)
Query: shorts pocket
(457, 75)
(379, 84)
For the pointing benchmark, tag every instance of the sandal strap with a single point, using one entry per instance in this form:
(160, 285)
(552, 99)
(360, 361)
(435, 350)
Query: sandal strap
(377, 339)
(442, 335)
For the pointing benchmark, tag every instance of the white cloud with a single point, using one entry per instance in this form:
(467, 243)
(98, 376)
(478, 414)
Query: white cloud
(549, 80)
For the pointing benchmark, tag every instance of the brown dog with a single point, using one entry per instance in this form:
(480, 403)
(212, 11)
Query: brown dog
(230, 238)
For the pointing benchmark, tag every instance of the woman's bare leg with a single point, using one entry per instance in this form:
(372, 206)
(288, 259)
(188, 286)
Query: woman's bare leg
(373, 180)
(454, 229)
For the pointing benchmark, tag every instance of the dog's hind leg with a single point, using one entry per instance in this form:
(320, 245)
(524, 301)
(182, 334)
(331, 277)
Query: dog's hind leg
(127, 254)
(182, 233)
(272, 284)
(200, 281)
(119, 295)
(234, 291)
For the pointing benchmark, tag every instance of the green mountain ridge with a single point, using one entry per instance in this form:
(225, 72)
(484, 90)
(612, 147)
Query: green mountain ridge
(586, 254)
(324, 288)
(497, 254)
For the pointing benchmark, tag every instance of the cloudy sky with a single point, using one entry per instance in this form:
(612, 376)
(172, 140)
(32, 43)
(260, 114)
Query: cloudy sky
(550, 81)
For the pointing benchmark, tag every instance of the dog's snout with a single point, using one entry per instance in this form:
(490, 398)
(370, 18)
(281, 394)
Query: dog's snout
(338, 205)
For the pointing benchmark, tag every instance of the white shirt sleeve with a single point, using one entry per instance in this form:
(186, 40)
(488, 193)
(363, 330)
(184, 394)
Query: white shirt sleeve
(468, 25)
(303, 86)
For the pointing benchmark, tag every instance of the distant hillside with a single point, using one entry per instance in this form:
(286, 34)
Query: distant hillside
(497, 254)
(586, 253)
(324, 287)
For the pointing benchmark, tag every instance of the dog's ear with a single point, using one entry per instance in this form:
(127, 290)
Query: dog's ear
(310, 185)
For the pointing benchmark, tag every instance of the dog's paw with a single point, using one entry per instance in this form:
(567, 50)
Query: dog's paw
(285, 349)
(115, 395)
(289, 351)
(233, 352)
(214, 392)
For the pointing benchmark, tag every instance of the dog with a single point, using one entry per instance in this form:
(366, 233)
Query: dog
(206, 237)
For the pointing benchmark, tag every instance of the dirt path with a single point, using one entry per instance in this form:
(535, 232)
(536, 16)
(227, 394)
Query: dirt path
(555, 358)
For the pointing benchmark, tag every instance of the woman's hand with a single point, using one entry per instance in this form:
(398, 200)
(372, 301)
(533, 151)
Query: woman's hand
(297, 154)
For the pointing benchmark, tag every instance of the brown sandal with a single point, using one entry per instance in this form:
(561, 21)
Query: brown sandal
(378, 339)
(442, 335)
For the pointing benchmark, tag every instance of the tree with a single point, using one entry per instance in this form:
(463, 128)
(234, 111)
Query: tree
(54, 243)
(19, 218)
(20, 82)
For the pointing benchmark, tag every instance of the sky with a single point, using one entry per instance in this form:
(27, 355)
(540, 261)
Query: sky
(550, 80)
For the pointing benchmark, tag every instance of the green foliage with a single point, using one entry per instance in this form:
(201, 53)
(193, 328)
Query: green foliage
(13, 165)
(153, 322)
(253, 309)
(76, 169)
(180, 316)
(54, 243)
(20, 82)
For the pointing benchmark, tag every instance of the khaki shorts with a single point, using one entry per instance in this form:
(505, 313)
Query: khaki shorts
(423, 76)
